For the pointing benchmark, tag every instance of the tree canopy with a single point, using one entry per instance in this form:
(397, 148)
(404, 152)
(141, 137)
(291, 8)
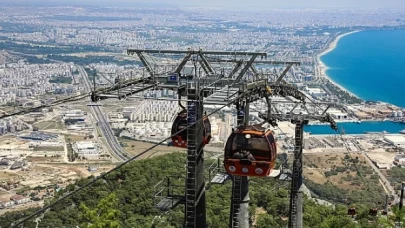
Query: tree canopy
(124, 198)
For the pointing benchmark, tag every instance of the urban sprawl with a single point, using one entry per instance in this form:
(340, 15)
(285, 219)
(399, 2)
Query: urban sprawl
(52, 53)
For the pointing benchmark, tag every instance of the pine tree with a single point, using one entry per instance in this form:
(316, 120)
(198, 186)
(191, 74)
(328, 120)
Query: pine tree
(104, 215)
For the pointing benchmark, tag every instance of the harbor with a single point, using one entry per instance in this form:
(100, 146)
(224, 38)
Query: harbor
(355, 127)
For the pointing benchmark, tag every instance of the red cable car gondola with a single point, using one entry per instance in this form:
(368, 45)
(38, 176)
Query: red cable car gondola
(373, 211)
(250, 151)
(180, 140)
(351, 211)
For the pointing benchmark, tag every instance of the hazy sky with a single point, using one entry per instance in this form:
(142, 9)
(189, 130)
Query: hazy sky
(235, 3)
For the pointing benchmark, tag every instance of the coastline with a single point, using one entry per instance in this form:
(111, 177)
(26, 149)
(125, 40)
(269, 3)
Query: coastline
(322, 68)
(315, 123)
(369, 126)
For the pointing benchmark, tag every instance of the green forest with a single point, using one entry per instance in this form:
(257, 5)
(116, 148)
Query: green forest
(124, 198)
(66, 80)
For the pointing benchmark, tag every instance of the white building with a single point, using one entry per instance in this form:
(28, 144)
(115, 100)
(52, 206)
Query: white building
(17, 199)
(396, 140)
(315, 92)
(337, 114)
(80, 126)
(86, 148)
(4, 204)
(159, 111)
(399, 159)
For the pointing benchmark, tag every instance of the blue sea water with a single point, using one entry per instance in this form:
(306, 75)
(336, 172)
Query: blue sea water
(357, 128)
(370, 64)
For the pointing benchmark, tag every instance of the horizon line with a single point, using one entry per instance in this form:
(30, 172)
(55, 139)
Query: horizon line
(169, 6)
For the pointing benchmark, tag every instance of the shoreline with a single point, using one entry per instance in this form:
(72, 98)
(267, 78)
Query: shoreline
(356, 121)
(372, 126)
(322, 68)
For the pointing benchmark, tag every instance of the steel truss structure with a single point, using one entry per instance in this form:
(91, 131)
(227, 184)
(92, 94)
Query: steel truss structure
(240, 84)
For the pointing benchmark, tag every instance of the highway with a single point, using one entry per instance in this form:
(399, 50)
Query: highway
(103, 124)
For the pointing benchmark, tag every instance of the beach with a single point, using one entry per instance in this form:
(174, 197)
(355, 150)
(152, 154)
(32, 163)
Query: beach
(321, 67)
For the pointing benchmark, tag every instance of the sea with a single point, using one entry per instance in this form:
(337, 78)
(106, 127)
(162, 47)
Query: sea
(370, 64)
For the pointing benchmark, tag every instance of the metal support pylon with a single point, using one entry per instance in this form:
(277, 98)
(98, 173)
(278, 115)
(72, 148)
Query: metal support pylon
(195, 210)
(195, 185)
(296, 201)
(239, 216)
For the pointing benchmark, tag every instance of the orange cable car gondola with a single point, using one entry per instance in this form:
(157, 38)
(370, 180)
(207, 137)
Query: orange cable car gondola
(250, 151)
(180, 139)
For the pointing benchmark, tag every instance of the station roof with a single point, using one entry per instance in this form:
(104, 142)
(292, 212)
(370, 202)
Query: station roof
(84, 144)
(395, 139)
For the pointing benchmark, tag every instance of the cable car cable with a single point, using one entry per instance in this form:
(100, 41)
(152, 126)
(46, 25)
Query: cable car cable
(351, 209)
(345, 144)
(348, 152)
(306, 157)
(58, 102)
(351, 158)
(358, 171)
(114, 169)
(79, 97)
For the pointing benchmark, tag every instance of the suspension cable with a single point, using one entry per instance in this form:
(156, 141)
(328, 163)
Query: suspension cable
(114, 169)
(351, 158)
(80, 97)
(306, 157)
(58, 102)
(312, 164)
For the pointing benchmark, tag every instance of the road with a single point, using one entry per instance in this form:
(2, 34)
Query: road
(383, 179)
(103, 124)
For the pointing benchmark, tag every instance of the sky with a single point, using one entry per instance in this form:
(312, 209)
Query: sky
(223, 3)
